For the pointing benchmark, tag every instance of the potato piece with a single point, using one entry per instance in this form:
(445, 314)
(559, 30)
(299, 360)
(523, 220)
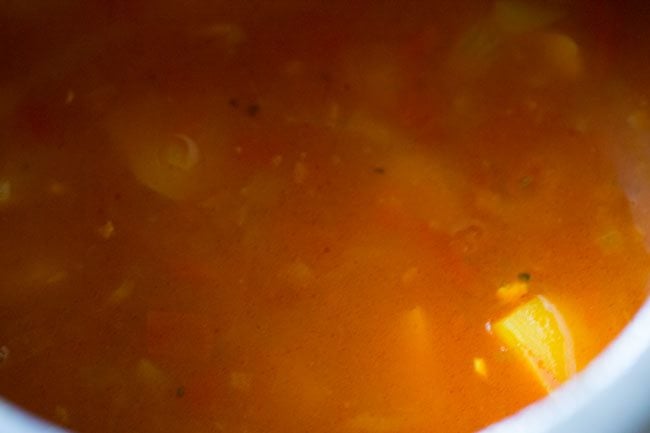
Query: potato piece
(481, 45)
(639, 120)
(513, 16)
(298, 274)
(480, 367)
(537, 332)
(164, 151)
(44, 272)
(512, 291)
(61, 415)
(182, 153)
(416, 330)
(418, 360)
(151, 375)
(164, 165)
(107, 230)
(561, 55)
(5, 192)
(122, 293)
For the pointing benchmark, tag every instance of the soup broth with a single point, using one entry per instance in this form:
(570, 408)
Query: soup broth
(297, 216)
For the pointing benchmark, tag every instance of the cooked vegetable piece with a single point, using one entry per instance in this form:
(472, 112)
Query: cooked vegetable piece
(479, 47)
(512, 291)
(164, 164)
(182, 154)
(121, 293)
(298, 274)
(513, 16)
(150, 374)
(107, 230)
(418, 362)
(480, 367)
(561, 55)
(537, 332)
(639, 120)
(5, 191)
(161, 153)
(417, 335)
(61, 414)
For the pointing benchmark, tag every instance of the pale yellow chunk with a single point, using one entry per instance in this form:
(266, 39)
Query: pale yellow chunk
(561, 54)
(417, 333)
(5, 191)
(61, 415)
(122, 293)
(298, 274)
(513, 16)
(480, 367)
(639, 120)
(150, 374)
(512, 291)
(182, 153)
(162, 159)
(418, 360)
(537, 332)
(107, 230)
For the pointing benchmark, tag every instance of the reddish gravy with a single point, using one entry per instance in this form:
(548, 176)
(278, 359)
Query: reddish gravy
(300, 217)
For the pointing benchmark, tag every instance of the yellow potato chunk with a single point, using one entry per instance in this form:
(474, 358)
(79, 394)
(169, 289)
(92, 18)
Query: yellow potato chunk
(561, 54)
(417, 333)
(513, 16)
(480, 367)
(512, 291)
(5, 191)
(537, 332)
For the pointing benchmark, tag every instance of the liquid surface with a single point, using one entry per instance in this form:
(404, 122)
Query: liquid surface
(289, 216)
